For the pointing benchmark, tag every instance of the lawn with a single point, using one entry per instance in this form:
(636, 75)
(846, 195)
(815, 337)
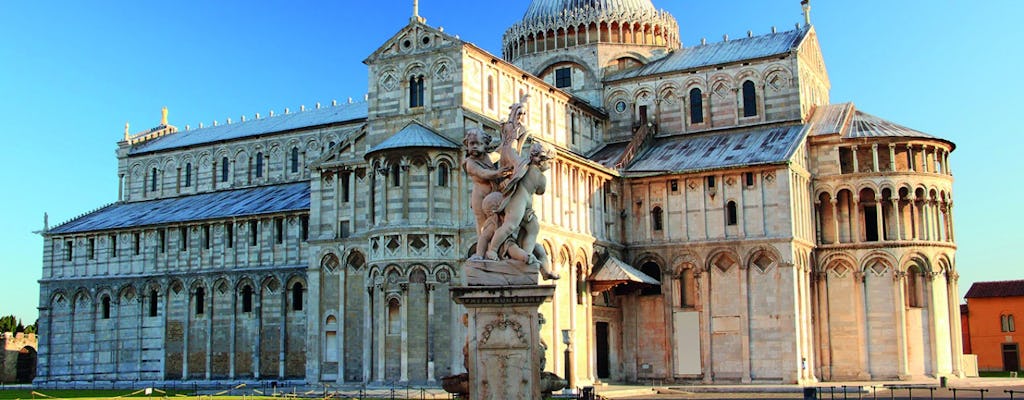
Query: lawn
(997, 374)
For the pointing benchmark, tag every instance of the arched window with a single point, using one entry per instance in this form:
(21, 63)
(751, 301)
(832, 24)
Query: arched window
(1006, 323)
(247, 298)
(106, 307)
(490, 92)
(652, 270)
(749, 99)
(394, 317)
(730, 213)
(656, 219)
(152, 180)
(442, 175)
(200, 300)
(396, 177)
(297, 297)
(152, 303)
(259, 165)
(416, 91)
(188, 175)
(687, 289)
(913, 288)
(696, 106)
(224, 169)
(295, 160)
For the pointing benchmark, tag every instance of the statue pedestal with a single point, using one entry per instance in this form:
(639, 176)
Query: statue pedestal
(503, 343)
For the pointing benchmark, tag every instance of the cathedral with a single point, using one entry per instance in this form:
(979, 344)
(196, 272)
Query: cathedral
(713, 217)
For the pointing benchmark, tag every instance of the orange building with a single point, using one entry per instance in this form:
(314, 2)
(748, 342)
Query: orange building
(990, 331)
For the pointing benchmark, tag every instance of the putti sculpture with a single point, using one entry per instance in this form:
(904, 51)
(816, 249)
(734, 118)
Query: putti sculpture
(502, 200)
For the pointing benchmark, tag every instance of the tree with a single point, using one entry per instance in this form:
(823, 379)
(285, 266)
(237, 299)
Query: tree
(8, 323)
(34, 328)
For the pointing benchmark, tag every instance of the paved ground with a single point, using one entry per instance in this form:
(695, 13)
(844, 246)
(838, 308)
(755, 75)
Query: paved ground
(995, 388)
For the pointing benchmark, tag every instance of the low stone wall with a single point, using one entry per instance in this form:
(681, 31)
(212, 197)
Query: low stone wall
(18, 357)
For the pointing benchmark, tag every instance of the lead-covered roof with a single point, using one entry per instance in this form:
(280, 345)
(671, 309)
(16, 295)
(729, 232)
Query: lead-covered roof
(716, 53)
(414, 135)
(267, 125)
(206, 206)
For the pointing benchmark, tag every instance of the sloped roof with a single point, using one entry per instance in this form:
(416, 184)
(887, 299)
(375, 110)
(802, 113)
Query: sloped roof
(414, 135)
(996, 289)
(615, 272)
(714, 150)
(278, 123)
(222, 204)
(845, 119)
(716, 53)
(865, 125)
(609, 154)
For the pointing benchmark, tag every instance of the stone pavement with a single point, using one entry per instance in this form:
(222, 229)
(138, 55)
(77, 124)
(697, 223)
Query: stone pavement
(965, 389)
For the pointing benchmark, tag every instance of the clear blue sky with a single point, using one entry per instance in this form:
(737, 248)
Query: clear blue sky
(72, 73)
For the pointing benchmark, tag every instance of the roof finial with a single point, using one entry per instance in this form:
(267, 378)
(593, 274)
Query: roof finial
(163, 116)
(416, 12)
(806, 5)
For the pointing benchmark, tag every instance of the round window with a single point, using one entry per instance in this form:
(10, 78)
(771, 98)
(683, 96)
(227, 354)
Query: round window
(406, 44)
(620, 106)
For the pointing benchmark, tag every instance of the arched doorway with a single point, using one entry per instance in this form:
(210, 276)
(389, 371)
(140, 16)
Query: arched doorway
(26, 365)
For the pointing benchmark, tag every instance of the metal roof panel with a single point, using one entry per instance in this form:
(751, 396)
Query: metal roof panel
(714, 150)
(262, 126)
(414, 135)
(746, 48)
(222, 204)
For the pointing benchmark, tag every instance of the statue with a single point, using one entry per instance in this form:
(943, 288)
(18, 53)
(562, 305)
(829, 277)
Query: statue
(502, 202)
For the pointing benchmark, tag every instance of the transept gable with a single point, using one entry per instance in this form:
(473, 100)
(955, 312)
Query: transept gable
(415, 38)
(810, 50)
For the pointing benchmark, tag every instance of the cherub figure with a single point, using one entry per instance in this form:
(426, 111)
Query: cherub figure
(481, 170)
(519, 221)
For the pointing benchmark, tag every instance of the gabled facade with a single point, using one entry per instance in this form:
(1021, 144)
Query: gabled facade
(714, 218)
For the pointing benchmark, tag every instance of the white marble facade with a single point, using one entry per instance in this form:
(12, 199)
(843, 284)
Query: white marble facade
(793, 241)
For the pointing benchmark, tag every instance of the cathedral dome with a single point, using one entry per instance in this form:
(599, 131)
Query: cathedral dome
(541, 10)
(558, 24)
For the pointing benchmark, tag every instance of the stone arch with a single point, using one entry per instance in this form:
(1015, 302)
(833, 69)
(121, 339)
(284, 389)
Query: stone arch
(329, 263)
(415, 69)
(220, 286)
(867, 185)
(915, 258)
(393, 273)
(724, 259)
(297, 288)
(562, 59)
(243, 281)
(684, 261)
(127, 292)
(878, 262)
(695, 82)
(749, 74)
(355, 259)
(763, 259)
(443, 273)
(270, 282)
(58, 296)
(418, 273)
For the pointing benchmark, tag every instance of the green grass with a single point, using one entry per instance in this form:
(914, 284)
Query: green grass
(79, 394)
(50, 394)
(997, 374)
